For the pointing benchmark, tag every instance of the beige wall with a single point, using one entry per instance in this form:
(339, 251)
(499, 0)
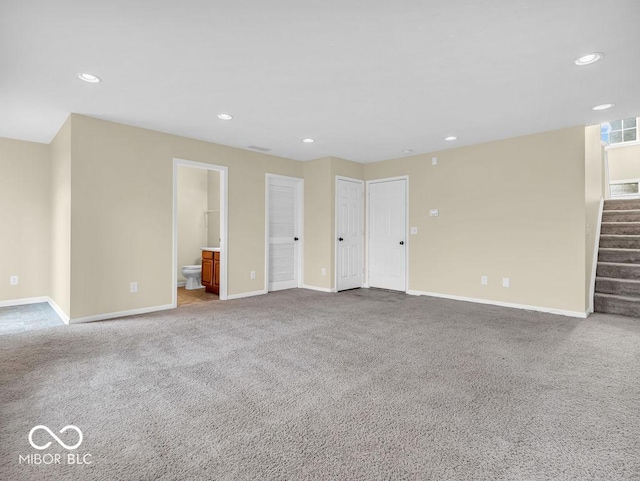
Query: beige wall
(193, 193)
(317, 223)
(24, 217)
(624, 162)
(122, 214)
(213, 205)
(594, 191)
(512, 208)
(60, 211)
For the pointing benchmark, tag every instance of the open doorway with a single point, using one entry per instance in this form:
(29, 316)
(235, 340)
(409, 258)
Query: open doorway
(199, 232)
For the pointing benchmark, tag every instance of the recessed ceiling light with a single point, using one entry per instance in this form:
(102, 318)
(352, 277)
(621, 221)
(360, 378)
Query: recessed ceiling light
(602, 107)
(407, 151)
(588, 59)
(87, 77)
(225, 116)
(451, 138)
(308, 141)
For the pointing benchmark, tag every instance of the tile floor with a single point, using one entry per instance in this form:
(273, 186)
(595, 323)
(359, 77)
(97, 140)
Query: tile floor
(30, 317)
(194, 296)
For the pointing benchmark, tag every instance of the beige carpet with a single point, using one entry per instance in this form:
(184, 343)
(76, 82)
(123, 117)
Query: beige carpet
(361, 385)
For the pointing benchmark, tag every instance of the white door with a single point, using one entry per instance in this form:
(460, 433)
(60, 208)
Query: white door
(349, 234)
(387, 234)
(283, 232)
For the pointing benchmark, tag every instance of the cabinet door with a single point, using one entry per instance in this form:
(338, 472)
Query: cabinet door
(216, 272)
(207, 272)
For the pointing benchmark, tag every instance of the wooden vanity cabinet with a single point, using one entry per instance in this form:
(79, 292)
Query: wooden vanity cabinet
(211, 271)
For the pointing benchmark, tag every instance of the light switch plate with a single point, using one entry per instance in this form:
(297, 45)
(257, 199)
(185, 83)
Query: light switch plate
(414, 230)
(434, 160)
(434, 213)
(505, 282)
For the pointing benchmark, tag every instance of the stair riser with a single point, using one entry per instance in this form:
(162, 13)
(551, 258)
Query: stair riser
(619, 288)
(621, 204)
(622, 216)
(618, 272)
(617, 306)
(620, 243)
(620, 229)
(623, 257)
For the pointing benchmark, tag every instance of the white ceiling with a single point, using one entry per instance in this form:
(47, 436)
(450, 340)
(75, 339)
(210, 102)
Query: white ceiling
(366, 79)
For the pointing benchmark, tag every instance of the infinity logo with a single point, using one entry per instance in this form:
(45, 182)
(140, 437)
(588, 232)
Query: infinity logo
(64, 429)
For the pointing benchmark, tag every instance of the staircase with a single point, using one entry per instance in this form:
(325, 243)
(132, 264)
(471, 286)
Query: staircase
(618, 274)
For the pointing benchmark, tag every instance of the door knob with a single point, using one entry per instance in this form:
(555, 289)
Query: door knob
(295, 238)
(401, 243)
(340, 239)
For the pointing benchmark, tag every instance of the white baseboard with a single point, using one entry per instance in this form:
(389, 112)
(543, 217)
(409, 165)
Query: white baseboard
(316, 288)
(24, 302)
(181, 283)
(246, 294)
(61, 314)
(113, 315)
(547, 310)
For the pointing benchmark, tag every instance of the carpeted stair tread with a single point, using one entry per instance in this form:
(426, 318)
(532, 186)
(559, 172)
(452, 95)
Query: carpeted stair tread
(616, 304)
(616, 296)
(631, 281)
(622, 204)
(620, 287)
(618, 255)
(620, 228)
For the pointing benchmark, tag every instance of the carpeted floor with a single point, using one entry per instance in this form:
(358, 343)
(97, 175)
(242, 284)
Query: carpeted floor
(361, 385)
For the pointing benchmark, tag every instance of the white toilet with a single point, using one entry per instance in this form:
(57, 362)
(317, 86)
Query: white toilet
(193, 274)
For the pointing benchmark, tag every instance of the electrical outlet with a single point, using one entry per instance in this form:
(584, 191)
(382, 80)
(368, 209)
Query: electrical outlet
(484, 280)
(505, 282)
(133, 287)
(324, 271)
(434, 213)
(13, 280)
(434, 160)
(253, 274)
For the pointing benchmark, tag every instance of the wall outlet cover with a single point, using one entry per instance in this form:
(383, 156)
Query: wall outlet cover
(253, 274)
(133, 287)
(13, 280)
(484, 280)
(434, 213)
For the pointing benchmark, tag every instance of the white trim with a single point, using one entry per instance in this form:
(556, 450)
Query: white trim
(242, 295)
(594, 264)
(300, 200)
(115, 315)
(224, 224)
(61, 314)
(25, 301)
(406, 227)
(181, 283)
(618, 145)
(335, 229)
(319, 289)
(547, 310)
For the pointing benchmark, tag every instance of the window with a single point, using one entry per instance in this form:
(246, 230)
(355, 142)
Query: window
(624, 189)
(619, 131)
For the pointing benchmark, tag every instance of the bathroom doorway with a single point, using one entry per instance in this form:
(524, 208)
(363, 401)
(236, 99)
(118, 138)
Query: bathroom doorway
(199, 232)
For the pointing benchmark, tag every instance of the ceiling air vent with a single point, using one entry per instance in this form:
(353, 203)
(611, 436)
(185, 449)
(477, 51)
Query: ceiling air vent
(261, 149)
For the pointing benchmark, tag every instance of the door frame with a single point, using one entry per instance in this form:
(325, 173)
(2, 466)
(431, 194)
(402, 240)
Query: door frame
(406, 222)
(224, 223)
(365, 267)
(300, 220)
